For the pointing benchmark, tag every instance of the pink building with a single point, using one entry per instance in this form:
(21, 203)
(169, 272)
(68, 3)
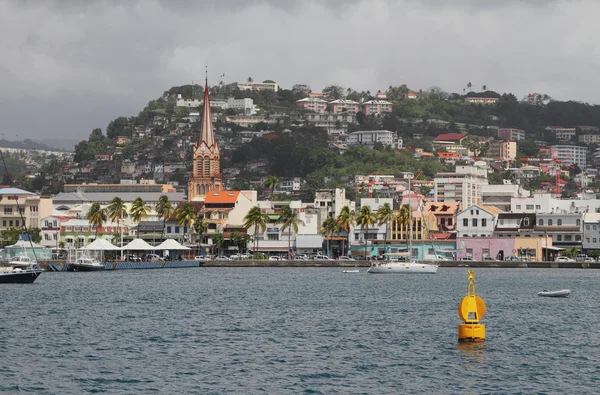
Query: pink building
(344, 105)
(377, 107)
(511, 134)
(312, 104)
(478, 248)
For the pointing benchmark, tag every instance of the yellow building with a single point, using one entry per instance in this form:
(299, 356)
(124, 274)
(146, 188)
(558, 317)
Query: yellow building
(532, 247)
(422, 225)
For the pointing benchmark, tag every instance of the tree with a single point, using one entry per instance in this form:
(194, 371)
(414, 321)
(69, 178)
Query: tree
(185, 214)
(402, 219)
(384, 215)
(484, 88)
(346, 221)
(96, 216)
(139, 211)
(255, 218)
(250, 79)
(300, 91)
(200, 228)
(290, 220)
(218, 240)
(366, 219)
(116, 209)
(271, 182)
(328, 228)
(164, 209)
(469, 85)
(334, 91)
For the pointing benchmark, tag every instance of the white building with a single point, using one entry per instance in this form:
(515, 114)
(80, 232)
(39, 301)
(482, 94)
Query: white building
(370, 137)
(562, 133)
(591, 231)
(246, 105)
(181, 102)
(570, 154)
(464, 185)
(258, 86)
(476, 221)
(500, 196)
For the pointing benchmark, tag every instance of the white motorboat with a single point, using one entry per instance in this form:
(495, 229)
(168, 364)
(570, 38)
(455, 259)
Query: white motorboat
(352, 271)
(22, 262)
(563, 293)
(87, 264)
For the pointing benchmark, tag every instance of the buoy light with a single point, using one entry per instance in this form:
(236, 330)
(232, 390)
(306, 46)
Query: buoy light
(471, 309)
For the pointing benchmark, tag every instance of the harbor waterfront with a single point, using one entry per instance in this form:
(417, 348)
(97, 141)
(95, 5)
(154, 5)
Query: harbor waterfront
(292, 330)
(60, 266)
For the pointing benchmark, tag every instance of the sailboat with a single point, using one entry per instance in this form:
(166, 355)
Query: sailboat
(408, 266)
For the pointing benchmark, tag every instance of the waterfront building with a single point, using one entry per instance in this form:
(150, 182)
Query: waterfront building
(476, 221)
(50, 229)
(445, 216)
(515, 224)
(22, 208)
(498, 248)
(511, 134)
(591, 232)
(206, 173)
(77, 233)
(566, 229)
(223, 209)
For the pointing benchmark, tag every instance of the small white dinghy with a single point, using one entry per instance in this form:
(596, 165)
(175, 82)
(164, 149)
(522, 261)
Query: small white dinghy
(351, 271)
(563, 293)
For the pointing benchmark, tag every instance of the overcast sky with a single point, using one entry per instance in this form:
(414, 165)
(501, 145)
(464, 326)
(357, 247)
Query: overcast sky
(69, 66)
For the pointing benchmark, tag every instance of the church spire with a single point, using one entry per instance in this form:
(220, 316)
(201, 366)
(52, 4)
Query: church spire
(206, 128)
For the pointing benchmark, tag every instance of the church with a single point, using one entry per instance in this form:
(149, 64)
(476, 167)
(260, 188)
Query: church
(206, 172)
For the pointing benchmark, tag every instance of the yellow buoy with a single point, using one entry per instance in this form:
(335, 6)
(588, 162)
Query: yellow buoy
(471, 309)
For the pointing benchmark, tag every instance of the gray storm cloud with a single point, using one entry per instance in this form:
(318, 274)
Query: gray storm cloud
(70, 66)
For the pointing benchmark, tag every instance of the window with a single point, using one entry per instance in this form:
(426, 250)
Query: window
(484, 222)
(559, 238)
(541, 222)
(587, 240)
(538, 207)
(469, 252)
(449, 221)
(529, 207)
(7, 210)
(578, 238)
(443, 221)
(3, 222)
(273, 236)
(322, 204)
(526, 221)
(518, 206)
(168, 229)
(549, 222)
(559, 222)
(578, 222)
(477, 212)
(501, 222)
(356, 236)
(568, 237)
(474, 222)
(595, 227)
(177, 229)
(10, 223)
(485, 252)
(587, 227)
(594, 240)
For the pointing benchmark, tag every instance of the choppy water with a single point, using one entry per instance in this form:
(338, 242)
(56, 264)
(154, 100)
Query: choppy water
(297, 330)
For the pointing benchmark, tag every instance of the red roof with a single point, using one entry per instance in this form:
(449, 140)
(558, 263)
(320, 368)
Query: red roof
(451, 137)
(222, 197)
(270, 136)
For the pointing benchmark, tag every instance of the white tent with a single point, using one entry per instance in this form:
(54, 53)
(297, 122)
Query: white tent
(138, 245)
(101, 245)
(171, 244)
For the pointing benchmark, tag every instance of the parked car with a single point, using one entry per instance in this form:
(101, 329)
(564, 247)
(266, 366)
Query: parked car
(345, 258)
(512, 258)
(489, 258)
(152, 258)
(322, 258)
(202, 258)
(466, 258)
(563, 259)
(133, 258)
(301, 257)
(275, 258)
(222, 258)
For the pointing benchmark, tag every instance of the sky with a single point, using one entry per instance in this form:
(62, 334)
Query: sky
(69, 66)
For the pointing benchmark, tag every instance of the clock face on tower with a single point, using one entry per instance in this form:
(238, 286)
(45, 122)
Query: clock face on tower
(203, 148)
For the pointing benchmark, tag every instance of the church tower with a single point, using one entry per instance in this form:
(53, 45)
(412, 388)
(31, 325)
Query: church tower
(206, 173)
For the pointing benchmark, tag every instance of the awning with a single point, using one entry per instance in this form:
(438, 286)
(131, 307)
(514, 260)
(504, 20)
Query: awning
(554, 248)
(137, 245)
(171, 244)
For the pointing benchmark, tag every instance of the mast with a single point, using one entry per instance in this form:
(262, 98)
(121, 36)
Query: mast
(409, 220)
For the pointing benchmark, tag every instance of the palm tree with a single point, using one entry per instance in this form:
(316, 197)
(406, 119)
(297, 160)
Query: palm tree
(271, 183)
(185, 214)
(164, 209)
(200, 227)
(139, 211)
(384, 214)
(484, 88)
(469, 85)
(346, 220)
(328, 228)
(96, 217)
(366, 219)
(255, 218)
(290, 220)
(116, 209)
(218, 240)
(402, 219)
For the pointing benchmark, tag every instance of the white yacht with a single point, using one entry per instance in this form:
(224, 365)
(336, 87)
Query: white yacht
(22, 262)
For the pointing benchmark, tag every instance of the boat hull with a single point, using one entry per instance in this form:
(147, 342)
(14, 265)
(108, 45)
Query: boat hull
(555, 294)
(403, 268)
(88, 268)
(20, 277)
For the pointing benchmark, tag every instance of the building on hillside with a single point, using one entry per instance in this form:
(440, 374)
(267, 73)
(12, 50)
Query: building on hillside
(344, 105)
(464, 185)
(206, 171)
(589, 138)
(562, 133)
(312, 104)
(481, 100)
(377, 107)
(246, 105)
(451, 142)
(22, 208)
(371, 137)
(476, 221)
(570, 155)
(142, 187)
(258, 86)
(250, 120)
(412, 95)
(511, 134)
(181, 102)
(503, 150)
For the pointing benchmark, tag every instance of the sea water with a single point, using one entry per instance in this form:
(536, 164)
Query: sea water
(297, 331)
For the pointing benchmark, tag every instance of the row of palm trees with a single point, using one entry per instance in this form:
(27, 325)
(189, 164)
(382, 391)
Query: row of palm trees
(366, 219)
(185, 214)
